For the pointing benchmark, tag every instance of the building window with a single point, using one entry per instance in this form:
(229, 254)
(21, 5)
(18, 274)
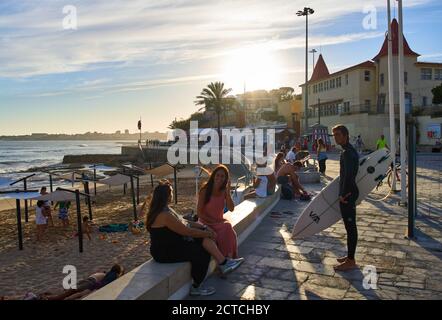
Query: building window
(332, 83)
(367, 75)
(406, 77)
(321, 87)
(326, 86)
(347, 106)
(338, 82)
(315, 88)
(382, 79)
(426, 74)
(438, 74)
(346, 79)
(424, 101)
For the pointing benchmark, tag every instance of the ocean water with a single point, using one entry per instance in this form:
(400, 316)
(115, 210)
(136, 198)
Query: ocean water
(16, 157)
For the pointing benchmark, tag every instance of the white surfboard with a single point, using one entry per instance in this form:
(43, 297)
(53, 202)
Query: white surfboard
(323, 211)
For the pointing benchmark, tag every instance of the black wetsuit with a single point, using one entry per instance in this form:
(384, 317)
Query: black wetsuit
(348, 189)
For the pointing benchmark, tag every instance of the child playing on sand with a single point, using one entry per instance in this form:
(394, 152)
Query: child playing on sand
(63, 211)
(47, 212)
(40, 220)
(86, 227)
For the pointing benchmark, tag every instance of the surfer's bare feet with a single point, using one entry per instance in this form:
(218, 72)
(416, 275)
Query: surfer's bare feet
(342, 259)
(348, 264)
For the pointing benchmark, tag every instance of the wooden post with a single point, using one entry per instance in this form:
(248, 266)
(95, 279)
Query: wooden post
(51, 186)
(138, 189)
(19, 229)
(79, 221)
(26, 201)
(133, 197)
(95, 179)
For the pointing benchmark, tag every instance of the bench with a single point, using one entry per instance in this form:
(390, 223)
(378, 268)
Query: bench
(159, 281)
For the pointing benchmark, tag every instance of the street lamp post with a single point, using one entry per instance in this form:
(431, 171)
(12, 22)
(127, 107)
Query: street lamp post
(306, 12)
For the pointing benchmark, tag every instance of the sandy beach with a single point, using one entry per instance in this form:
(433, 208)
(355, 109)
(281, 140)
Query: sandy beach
(39, 267)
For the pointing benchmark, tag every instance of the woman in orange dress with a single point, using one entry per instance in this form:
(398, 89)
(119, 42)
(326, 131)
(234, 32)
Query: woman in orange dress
(213, 197)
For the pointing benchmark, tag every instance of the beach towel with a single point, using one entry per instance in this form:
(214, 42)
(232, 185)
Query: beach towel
(118, 227)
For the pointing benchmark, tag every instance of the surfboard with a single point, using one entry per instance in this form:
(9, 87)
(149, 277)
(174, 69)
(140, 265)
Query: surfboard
(323, 211)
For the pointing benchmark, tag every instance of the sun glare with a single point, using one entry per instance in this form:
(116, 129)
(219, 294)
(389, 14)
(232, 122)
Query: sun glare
(254, 67)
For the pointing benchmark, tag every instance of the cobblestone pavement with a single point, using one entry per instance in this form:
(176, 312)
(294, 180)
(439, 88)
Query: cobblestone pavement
(278, 267)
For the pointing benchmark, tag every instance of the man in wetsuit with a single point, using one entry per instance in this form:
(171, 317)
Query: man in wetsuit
(348, 194)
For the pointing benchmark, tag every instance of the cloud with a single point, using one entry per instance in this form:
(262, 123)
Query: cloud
(33, 42)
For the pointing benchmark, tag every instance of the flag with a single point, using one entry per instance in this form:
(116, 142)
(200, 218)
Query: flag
(139, 125)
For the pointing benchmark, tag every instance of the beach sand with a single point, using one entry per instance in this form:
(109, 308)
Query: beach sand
(39, 267)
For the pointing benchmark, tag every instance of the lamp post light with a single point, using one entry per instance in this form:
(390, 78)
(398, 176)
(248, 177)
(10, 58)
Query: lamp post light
(306, 12)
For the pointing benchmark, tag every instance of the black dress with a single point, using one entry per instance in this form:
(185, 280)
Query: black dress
(167, 246)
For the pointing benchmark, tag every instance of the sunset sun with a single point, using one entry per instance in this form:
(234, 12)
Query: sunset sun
(254, 67)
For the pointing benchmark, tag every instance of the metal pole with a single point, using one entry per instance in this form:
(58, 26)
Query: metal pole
(412, 205)
(79, 221)
(306, 74)
(19, 229)
(402, 107)
(175, 186)
(391, 98)
(26, 201)
(133, 197)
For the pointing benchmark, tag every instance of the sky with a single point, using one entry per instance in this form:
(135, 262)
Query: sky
(106, 63)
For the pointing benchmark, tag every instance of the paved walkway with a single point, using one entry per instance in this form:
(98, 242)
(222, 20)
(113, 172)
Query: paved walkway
(278, 267)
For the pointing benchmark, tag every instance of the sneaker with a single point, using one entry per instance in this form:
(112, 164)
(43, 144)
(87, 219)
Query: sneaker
(230, 265)
(202, 291)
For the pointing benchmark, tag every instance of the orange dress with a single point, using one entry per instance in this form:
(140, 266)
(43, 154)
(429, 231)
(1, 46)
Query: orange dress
(213, 216)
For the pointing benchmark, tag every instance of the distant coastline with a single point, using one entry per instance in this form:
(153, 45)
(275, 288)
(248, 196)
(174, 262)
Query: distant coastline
(87, 137)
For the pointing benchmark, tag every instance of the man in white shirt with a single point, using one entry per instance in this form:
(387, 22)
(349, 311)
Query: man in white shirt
(291, 155)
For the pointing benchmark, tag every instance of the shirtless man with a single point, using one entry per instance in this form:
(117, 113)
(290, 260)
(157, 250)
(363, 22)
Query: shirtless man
(287, 173)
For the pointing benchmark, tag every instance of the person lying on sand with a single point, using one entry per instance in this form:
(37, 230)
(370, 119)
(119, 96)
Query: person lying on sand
(87, 286)
(84, 287)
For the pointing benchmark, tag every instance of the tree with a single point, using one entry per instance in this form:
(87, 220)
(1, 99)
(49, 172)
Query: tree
(214, 98)
(437, 94)
(283, 93)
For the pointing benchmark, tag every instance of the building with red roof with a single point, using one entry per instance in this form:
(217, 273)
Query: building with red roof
(357, 96)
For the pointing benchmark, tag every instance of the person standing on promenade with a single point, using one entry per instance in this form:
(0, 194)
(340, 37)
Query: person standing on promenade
(348, 194)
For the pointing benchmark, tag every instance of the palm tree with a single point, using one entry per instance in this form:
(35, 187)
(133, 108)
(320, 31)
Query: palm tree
(213, 98)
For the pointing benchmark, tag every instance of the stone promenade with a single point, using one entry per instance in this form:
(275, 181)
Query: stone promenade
(278, 267)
